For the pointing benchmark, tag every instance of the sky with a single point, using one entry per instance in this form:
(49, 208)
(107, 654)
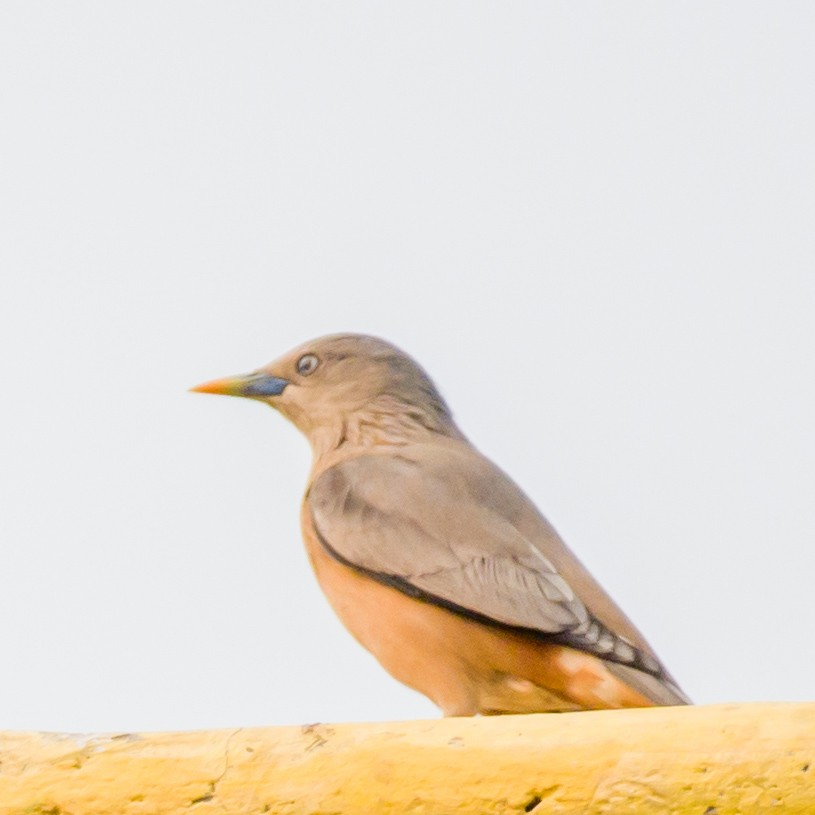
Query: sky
(591, 223)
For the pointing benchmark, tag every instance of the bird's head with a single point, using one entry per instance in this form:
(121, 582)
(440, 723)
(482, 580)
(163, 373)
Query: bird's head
(333, 381)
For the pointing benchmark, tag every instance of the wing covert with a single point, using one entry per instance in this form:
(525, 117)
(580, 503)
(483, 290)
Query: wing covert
(429, 535)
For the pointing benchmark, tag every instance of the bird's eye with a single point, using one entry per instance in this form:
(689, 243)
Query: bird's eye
(307, 364)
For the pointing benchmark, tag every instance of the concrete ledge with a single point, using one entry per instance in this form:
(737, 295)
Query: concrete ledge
(717, 760)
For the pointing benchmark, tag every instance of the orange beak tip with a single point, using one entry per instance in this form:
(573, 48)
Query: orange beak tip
(221, 386)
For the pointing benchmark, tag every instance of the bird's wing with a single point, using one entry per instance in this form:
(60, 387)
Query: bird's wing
(435, 530)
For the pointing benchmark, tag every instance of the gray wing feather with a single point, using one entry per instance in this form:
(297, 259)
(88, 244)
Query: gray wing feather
(380, 514)
(432, 531)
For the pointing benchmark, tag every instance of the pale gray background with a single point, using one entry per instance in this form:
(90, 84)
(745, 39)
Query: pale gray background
(591, 222)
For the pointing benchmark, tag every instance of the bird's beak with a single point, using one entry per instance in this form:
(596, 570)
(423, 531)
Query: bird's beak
(256, 385)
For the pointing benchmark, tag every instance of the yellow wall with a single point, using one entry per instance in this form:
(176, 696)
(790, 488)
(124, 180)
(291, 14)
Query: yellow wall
(718, 760)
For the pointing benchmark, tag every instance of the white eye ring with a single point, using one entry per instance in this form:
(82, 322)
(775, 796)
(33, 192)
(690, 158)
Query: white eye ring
(307, 364)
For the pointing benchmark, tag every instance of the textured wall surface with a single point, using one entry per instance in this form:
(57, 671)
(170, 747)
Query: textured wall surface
(717, 760)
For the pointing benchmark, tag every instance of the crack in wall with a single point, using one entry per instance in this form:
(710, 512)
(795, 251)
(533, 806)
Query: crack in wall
(213, 785)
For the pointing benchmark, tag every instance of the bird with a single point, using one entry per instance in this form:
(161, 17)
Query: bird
(432, 557)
